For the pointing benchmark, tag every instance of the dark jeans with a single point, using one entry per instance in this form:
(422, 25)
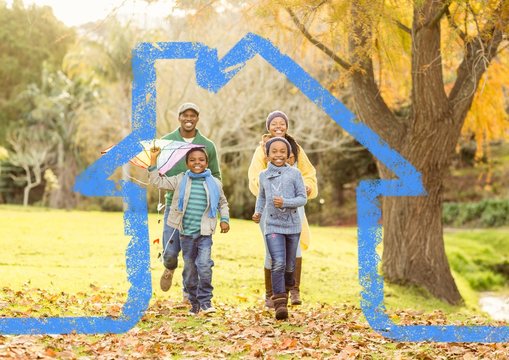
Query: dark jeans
(172, 249)
(196, 250)
(282, 249)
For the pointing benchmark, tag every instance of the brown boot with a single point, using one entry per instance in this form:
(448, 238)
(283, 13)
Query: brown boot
(166, 278)
(280, 304)
(295, 291)
(268, 289)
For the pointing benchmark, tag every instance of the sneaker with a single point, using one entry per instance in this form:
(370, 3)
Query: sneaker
(195, 309)
(166, 278)
(208, 309)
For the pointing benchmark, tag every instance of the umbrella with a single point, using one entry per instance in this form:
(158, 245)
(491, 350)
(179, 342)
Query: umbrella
(171, 153)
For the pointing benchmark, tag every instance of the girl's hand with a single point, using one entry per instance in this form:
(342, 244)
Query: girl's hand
(256, 217)
(154, 153)
(225, 227)
(278, 201)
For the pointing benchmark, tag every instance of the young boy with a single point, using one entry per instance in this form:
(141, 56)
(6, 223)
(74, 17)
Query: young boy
(281, 192)
(198, 196)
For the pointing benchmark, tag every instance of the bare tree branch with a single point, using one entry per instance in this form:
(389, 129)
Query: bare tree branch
(438, 16)
(478, 54)
(403, 26)
(369, 103)
(344, 64)
(435, 19)
(461, 34)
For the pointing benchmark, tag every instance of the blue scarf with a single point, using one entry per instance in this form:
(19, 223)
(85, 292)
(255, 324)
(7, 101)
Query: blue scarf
(211, 185)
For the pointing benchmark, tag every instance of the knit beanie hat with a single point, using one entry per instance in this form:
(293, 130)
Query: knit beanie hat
(273, 140)
(274, 115)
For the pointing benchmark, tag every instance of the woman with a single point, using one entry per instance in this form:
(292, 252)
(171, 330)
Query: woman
(277, 126)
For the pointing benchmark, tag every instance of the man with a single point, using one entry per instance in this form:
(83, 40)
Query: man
(188, 116)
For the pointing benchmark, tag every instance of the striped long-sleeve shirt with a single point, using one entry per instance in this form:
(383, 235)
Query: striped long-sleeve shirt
(195, 207)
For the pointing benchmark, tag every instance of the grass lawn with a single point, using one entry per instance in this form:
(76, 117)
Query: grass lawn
(70, 251)
(74, 251)
(72, 263)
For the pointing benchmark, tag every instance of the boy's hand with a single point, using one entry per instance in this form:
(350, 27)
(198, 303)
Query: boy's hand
(154, 153)
(278, 201)
(225, 227)
(256, 217)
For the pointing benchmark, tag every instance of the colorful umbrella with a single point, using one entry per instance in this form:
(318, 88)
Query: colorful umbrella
(171, 153)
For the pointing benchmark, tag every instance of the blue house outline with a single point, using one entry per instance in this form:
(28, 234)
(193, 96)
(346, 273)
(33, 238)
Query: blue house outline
(212, 74)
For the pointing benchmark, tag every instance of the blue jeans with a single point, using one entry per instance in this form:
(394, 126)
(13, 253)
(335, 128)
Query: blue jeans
(171, 250)
(282, 249)
(196, 250)
(268, 260)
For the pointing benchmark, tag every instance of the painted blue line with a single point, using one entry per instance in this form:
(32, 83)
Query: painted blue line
(212, 74)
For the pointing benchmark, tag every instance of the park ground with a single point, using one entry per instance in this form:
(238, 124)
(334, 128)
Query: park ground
(72, 263)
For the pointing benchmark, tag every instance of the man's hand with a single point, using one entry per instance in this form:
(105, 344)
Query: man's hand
(278, 201)
(154, 153)
(225, 227)
(256, 217)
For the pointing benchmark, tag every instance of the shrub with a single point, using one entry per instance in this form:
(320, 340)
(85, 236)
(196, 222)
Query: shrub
(485, 280)
(485, 213)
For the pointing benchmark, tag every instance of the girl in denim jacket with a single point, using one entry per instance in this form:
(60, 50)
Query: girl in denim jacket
(281, 192)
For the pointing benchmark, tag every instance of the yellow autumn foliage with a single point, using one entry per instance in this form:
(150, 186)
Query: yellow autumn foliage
(329, 22)
(487, 118)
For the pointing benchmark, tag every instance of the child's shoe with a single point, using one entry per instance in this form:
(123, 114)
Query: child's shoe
(295, 296)
(166, 278)
(280, 304)
(208, 309)
(195, 309)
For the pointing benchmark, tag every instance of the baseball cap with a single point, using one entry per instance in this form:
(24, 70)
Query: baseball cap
(189, 106)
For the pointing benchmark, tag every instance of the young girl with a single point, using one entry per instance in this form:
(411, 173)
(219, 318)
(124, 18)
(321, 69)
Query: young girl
(193, 212)
(277, 124)
(281, 192)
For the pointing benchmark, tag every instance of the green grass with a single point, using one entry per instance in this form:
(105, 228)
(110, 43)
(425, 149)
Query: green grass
(75, 251)
(478, 255)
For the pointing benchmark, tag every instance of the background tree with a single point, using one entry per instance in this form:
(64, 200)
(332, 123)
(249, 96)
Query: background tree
(30, 151)
(56, 106)
(417, 102)
(30, 36)
(103, 54)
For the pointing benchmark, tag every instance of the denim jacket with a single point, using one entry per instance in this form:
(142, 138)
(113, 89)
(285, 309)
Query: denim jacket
(285, 181)
(175, 217)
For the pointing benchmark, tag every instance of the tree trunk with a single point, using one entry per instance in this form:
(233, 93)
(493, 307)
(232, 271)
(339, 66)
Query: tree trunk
(66, 169)
(413, 251)
(30, 185)
(413, 237)
(414, 248)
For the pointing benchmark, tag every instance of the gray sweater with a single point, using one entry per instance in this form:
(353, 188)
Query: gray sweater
(287, 182)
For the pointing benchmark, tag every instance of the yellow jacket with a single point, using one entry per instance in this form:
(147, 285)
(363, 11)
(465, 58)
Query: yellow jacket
(259, 163)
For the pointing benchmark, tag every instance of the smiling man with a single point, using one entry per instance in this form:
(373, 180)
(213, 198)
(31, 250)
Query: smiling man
(188, 116)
